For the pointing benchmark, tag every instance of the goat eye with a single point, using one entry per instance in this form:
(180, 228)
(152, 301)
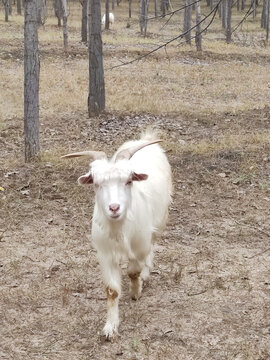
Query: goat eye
(129, 182)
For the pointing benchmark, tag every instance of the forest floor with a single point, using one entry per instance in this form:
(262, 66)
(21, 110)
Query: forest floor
(209, 292)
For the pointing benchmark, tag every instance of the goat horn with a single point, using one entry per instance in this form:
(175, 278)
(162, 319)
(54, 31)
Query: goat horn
(128, 153)
(95, 155)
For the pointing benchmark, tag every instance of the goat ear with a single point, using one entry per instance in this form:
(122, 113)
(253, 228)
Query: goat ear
(139, 177)
(86, 179)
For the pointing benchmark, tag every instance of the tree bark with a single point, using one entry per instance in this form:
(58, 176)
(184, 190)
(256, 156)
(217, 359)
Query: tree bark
(84, 21)
(6, 5)
(198, 38)
(187, 21)
(129, 8)
(143, 16)
(263, 16)
(267, 21)
(96, 94)
(254, 5)
(156, 8)
(10, 7)
(224, 13)
(163, 7)
(65, 27)
(57, 5)
(41, 11)
(229, 22)
(107, 16)
(31, 80)
(19, 7)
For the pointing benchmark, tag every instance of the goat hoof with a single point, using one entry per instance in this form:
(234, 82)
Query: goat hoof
(110, 331)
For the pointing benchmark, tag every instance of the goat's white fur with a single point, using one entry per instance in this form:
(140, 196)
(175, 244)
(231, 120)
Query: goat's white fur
(143, 213)
(111, 18)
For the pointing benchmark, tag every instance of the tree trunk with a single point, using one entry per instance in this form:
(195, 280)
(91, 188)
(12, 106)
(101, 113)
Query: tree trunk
(65, 27)
(146, 16)
(187, 21)
(57, 5)
(41, 11)
(163, 7)
(31, 80)
(224, 13)
(96, 95)
(229, 22)
(143, 16)
(198, 38)
(6, 5)
(10, 7)
(107, 16)
(156, 7)
(112, 4)
(19, 7)
(267, 21)
(254, 5)
(129, 8)
(242, 4)
(84, 21)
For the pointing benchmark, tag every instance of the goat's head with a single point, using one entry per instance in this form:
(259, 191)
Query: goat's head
(112, 179)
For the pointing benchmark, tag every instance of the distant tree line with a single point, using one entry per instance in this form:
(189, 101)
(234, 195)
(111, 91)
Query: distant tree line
(35, 14)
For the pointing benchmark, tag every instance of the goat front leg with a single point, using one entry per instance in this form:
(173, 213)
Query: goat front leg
(112, 278)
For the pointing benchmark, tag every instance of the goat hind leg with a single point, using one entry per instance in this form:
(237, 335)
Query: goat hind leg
(136, 283)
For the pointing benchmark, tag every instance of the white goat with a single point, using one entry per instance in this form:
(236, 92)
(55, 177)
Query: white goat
(111, 19)
(128, 212)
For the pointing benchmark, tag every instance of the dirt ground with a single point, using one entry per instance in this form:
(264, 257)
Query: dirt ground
(208, 296)
(209, 292)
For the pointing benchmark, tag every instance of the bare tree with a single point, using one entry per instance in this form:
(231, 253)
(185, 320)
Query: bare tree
(107, 17)
(84, 21)
(224, 13)
(229, 22)
(6, 5)
(10, 7)
(187, 21)
(65, 27)
(163, 7)
(267, 21)
(31, 80)
(265, 15)
(254, 8)
(58, 10)
(198, 37)
(129, 8)
(41, 11)
(96, 94)
(156, 7)
(19, 7)
(143, 16)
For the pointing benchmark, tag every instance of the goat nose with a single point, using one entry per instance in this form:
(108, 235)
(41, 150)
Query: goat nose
(114, 207)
